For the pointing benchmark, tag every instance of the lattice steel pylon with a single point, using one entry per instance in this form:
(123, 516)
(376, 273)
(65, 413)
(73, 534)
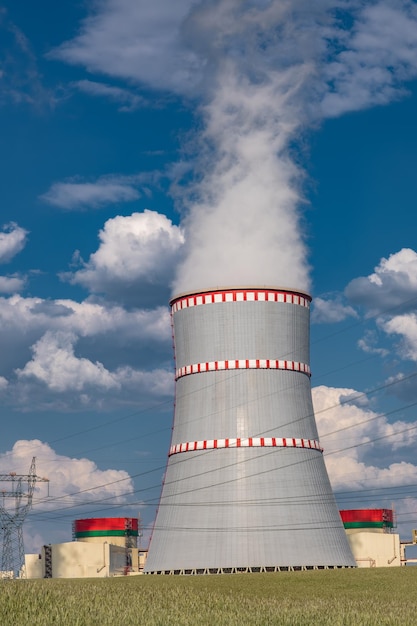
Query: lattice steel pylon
(12, 518)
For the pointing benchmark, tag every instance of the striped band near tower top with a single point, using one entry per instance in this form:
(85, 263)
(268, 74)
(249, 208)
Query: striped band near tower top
(240, 295)
(245, 442)
(235, 364)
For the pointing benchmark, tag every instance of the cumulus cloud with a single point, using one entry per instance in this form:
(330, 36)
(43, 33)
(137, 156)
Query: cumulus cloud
(404, 326)
(103, 353)
(366, 453)
(331, 310)
(73, 482)
(127, 100)
(87, 319)
(350, 431)
(55, 364)
(11, 284)
(136, 258)
(12, 241)
(130, 388)
(390, 288)
(67, 475)
(389, 295)
(77, 195)
(59, 369)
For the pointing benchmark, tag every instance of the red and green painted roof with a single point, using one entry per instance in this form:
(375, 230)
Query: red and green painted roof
(367, 518)
(106, 527)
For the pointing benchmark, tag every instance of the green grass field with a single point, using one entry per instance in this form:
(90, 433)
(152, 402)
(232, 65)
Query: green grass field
(341, 597)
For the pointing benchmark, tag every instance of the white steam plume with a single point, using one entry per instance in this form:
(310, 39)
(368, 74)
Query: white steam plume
(273, 69)
(244, 230)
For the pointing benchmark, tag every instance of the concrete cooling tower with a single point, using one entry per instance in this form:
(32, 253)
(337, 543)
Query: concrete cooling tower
(246, 487)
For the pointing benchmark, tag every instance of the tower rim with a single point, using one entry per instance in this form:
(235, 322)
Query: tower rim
(217, 289)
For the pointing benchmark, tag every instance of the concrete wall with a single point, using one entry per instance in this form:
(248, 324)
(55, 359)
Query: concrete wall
(122, 540)
(34, 563)
(85, 560)
(371, 549)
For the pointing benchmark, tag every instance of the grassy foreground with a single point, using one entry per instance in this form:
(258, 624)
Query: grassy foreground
(342, 597)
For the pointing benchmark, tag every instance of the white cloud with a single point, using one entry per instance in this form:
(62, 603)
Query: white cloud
(355, 64)
(11, 284)
(127, 100)
(330, 311)
(136, 258)
(155, 382)
(348, 432)
(403, 386)
(77, 195)
(391, 287)
(59, 369)
(135, 40)
(368, 344)
(103, 353)
(55, 364)
(72, 482)
(377, 56)
(370, 459)
(86, 319)
(406, 327)
(67, 475)
(12, 241)
(134, 389)
(389, 293)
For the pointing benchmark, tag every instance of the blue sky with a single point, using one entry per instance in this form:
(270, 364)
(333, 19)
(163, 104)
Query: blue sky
(130, 134)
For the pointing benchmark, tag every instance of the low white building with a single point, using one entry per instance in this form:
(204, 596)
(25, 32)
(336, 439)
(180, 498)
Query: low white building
(102, 547)
(372, 539)
(80, 560)
(375, 549)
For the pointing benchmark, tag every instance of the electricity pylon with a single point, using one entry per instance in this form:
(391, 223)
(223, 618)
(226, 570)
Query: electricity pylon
(12, 518)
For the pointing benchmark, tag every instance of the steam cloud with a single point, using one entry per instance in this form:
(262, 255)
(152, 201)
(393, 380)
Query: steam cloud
(271, 71)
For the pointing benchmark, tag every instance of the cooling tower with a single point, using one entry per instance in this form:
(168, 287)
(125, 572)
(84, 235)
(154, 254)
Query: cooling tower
(246, 487)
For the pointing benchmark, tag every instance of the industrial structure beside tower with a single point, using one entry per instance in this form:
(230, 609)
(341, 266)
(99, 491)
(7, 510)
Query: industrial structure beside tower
(246, 487)
(106, 547)
(101, 547)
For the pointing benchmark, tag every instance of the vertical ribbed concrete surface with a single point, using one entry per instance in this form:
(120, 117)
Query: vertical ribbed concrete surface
(246, 485)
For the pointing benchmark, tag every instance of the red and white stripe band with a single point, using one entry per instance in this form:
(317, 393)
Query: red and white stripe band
(249, 442)
(242, 364)
(241, 295)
